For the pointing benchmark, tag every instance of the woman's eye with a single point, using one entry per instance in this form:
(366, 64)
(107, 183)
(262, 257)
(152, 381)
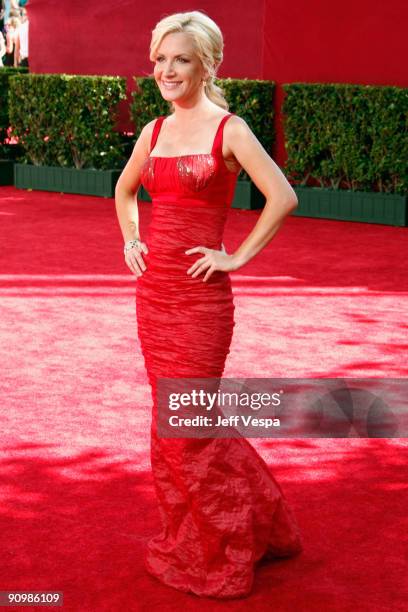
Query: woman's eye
(181, 59)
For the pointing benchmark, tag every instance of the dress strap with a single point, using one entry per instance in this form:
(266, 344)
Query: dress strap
(217, 145)
(156, 131)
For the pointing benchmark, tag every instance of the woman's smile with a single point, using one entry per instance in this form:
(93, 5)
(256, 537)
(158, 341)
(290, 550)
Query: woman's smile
(171, 84)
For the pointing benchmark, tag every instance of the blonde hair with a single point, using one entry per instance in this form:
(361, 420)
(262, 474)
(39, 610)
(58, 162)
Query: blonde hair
(208, 45)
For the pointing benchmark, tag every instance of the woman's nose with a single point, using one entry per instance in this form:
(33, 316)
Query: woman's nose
(169, 69)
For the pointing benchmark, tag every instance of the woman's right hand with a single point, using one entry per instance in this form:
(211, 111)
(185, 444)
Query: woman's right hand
(134, 258)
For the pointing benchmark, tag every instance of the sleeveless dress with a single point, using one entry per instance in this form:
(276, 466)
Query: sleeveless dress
(221, 508)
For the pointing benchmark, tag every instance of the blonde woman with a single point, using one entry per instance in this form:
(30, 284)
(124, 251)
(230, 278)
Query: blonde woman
(221, 508)
(11, 28)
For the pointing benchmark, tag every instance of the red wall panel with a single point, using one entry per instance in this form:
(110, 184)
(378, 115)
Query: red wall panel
(315, 41)
(112, 37)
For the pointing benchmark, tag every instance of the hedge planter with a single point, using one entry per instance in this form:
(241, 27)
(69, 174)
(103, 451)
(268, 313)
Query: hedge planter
(143, 195)
(247, 196)
(347, 205)
(6, 172)
(66, 180)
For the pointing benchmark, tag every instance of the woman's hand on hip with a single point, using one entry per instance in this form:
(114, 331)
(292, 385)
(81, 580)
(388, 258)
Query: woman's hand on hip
(211, 261)
(134, 258)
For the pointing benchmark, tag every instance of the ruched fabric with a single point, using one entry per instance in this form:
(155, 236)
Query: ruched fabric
(220, 506)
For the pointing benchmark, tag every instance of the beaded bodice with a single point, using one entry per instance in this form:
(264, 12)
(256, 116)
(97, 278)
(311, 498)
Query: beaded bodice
(196, 177)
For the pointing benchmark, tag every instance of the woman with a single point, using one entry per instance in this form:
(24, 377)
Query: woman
(221, 508)
(11, 38)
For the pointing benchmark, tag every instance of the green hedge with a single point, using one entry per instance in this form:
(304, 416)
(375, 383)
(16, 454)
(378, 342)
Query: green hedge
(5, 73)
(347, 136)
(67, 120)
(250, 99)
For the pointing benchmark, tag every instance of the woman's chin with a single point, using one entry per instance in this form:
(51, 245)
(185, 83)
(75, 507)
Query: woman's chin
(170, 95)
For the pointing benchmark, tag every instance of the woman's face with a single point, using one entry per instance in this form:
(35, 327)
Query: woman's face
(178, 71)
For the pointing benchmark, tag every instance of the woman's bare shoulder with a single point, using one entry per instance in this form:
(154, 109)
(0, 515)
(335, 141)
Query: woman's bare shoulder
(236, 124)
(235, 129)
(147, 132)
(149, 127)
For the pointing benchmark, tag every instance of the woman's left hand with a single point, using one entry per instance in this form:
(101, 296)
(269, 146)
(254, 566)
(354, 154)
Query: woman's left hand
(211, 261)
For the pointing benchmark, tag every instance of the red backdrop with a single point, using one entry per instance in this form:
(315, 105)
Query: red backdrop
(361, 41)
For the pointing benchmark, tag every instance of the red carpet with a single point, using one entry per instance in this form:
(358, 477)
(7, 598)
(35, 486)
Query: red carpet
(325, 299)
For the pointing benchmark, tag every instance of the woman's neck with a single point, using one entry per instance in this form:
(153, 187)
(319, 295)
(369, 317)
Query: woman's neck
(189, 113)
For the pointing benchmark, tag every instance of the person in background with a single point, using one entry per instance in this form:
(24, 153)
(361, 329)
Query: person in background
(12, 26)
(21, 50)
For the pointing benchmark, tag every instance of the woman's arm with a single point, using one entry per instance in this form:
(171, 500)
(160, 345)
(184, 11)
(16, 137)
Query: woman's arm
(270, 180)
(280, 200)
(126, 202)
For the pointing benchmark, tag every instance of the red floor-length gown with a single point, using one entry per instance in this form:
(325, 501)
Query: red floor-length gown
(221, 508)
